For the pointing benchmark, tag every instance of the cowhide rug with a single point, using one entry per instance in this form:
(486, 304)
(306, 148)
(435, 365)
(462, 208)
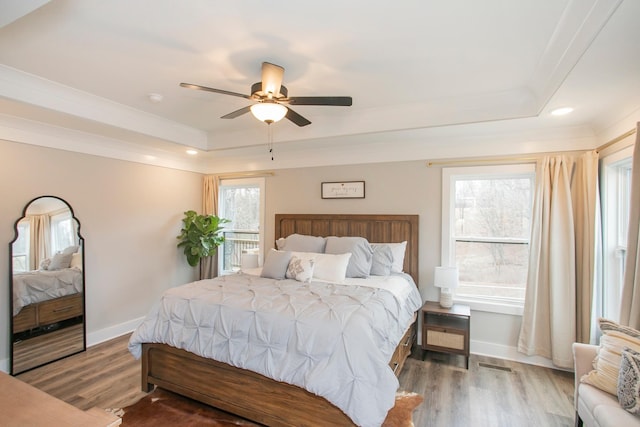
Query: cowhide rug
(164, 408)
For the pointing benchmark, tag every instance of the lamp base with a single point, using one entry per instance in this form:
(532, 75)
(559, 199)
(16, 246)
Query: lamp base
(446, 298)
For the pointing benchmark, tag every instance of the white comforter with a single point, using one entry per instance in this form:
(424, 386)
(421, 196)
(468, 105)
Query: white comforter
(42, 285)
(333, 340)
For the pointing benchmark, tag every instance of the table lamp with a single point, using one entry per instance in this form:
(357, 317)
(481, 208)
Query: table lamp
(446, 278)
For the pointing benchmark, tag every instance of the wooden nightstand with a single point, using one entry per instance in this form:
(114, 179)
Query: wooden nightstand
(446, 330)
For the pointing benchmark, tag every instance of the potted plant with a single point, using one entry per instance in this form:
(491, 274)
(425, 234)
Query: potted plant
(200, 236)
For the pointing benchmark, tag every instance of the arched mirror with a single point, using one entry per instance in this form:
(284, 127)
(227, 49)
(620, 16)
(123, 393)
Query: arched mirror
(47, 285)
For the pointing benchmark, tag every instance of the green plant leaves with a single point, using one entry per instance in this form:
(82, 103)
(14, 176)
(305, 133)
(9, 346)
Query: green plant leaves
(200, 236)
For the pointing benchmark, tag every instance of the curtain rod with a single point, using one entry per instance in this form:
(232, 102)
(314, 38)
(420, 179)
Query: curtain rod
(244, 175)
(616, 139)
(483, 160)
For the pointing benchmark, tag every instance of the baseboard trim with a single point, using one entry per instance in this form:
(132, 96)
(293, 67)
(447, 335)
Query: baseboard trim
(97, 337)
(509, 353)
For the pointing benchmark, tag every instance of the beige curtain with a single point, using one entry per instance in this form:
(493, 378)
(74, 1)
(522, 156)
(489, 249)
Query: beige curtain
(586, 214)
(558, 297)
(630, 304)
(211, 184)
(39, 240)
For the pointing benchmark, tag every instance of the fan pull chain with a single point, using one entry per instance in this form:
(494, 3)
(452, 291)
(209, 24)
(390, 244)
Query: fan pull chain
(270, 139)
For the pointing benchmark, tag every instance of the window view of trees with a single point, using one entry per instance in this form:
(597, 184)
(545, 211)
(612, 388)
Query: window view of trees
(240, 205)
(491, 220)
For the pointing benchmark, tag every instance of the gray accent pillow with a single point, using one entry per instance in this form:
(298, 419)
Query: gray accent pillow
(361, 253)
(302, 243)
(275, 264)
(629, 381)
(382, 260)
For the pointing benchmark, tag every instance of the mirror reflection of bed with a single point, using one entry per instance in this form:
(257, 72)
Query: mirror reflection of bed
(47, 285)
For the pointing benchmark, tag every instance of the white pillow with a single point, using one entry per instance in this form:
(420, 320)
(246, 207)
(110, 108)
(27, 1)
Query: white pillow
(397, 250)
(327, 267)
(300, 269)
(361, 253)
(76, 261)
(60, 261)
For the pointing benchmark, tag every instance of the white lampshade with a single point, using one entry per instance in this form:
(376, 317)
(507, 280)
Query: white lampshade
(446, 278)
(268, 112)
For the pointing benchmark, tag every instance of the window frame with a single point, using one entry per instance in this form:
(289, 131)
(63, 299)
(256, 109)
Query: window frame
(449, 175)
(614, 219)
(259, 182)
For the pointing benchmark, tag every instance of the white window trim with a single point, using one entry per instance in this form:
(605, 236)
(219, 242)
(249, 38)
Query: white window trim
(613, 253)
(447, 249)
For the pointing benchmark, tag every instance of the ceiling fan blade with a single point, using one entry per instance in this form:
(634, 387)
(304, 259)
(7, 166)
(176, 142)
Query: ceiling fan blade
(296, 118)
(237, 113)
(209, 89)
(344, 101)
(272, 75)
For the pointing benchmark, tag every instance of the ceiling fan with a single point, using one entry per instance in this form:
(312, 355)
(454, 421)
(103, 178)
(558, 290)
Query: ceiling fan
(271, 96)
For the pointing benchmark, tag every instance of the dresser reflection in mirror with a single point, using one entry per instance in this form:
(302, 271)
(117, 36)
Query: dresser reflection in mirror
(47, 285)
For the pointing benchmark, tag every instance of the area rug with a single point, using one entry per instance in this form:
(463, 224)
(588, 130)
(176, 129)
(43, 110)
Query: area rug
(164, 408)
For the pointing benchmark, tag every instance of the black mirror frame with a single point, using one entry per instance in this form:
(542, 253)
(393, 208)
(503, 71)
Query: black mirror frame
(84, 311)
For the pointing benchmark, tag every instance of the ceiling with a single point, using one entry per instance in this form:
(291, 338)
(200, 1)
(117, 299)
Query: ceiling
(428, 79)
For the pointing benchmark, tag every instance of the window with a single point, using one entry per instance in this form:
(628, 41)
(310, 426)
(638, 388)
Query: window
(486, 215)
(20, 248)
(616, 198)
(242, 202)
(62, 231)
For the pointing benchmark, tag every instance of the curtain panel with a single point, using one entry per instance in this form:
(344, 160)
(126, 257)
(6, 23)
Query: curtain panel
(562, 248)
(210, 186)
(630, 301)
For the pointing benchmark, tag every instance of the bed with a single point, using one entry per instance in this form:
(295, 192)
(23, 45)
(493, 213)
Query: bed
(272, 401)
(43, 297)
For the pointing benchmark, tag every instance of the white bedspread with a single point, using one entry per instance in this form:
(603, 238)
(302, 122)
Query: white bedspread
(42, 285)
(333, 340)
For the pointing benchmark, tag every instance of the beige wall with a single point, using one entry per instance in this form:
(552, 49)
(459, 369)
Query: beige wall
(130, 215)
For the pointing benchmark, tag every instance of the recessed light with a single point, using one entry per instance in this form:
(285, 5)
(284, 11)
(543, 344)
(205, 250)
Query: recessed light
(192, 152)
(561, 111)
(155, 97)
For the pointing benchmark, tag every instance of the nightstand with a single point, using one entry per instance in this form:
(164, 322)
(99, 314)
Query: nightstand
(446, 330)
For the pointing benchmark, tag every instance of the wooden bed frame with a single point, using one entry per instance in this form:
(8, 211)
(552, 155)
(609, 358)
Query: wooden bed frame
(258, 398)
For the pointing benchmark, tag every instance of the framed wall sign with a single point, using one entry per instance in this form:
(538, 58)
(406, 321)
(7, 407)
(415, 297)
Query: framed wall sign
(343, 190)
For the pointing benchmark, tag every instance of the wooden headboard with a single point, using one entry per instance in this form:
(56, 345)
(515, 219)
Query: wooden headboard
(374, 228)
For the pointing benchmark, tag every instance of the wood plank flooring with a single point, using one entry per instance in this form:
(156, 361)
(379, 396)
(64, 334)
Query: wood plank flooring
(493, 392)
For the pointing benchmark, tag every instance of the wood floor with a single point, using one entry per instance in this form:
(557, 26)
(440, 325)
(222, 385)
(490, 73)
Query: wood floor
(493, 392)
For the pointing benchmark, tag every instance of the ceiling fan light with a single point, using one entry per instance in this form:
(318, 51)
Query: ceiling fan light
(269, 112)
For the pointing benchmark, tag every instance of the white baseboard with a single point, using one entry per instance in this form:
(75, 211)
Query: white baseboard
(97, 337)
(4, 365)
(509, 353)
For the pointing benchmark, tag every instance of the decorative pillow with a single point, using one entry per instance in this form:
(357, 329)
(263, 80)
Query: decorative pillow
(328, 267)
(629, 381)
(382, 260)
(70, 249)
(606, 365)
(45, 263)
(275, 264)
(60, 261)
(300, 269)
(361, 253)
(398, 250)
(301, 243)
(76, 261)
